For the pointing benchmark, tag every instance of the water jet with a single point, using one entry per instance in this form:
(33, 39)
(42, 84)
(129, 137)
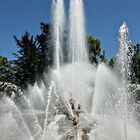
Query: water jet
(81, 101)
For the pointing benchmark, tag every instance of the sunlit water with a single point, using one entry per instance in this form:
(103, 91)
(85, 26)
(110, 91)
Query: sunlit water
(81, 101)
(58, 24)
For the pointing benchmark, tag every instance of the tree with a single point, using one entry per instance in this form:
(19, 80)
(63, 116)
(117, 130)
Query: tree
(26, 60)
(6, 70)
(32, 57)
(96, 54)
(112, 62)
(44, 52)
(136, 65)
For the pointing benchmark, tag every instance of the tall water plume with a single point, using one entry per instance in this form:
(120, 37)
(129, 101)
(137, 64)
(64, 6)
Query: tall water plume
(58, 20)
(125, 54)
(124, 63)
(77, 33)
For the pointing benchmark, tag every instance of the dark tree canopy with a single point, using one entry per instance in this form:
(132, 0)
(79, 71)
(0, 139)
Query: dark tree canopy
(32, 57)
(112, 62)
(136, 65)
(6, 70)
(96, 55)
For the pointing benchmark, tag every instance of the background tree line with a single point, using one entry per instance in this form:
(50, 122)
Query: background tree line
(35, 56)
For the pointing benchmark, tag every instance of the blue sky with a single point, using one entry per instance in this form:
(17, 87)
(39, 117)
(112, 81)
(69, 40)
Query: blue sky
(103, 18)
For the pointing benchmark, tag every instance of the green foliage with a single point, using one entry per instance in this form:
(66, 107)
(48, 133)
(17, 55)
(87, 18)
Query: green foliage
(32, 57)
(136, 65)
(26, 60)
(96, 54)
(112, 62)
(6, 70)
(103, 57)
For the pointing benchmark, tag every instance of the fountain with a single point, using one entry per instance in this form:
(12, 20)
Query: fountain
(82, 102)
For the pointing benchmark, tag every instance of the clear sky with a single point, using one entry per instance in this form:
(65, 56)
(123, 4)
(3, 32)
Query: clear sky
(103, 18)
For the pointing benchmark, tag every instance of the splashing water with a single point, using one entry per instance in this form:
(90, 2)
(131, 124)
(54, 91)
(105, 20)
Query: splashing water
(51, 88)
(112, 102)
(82, 102)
